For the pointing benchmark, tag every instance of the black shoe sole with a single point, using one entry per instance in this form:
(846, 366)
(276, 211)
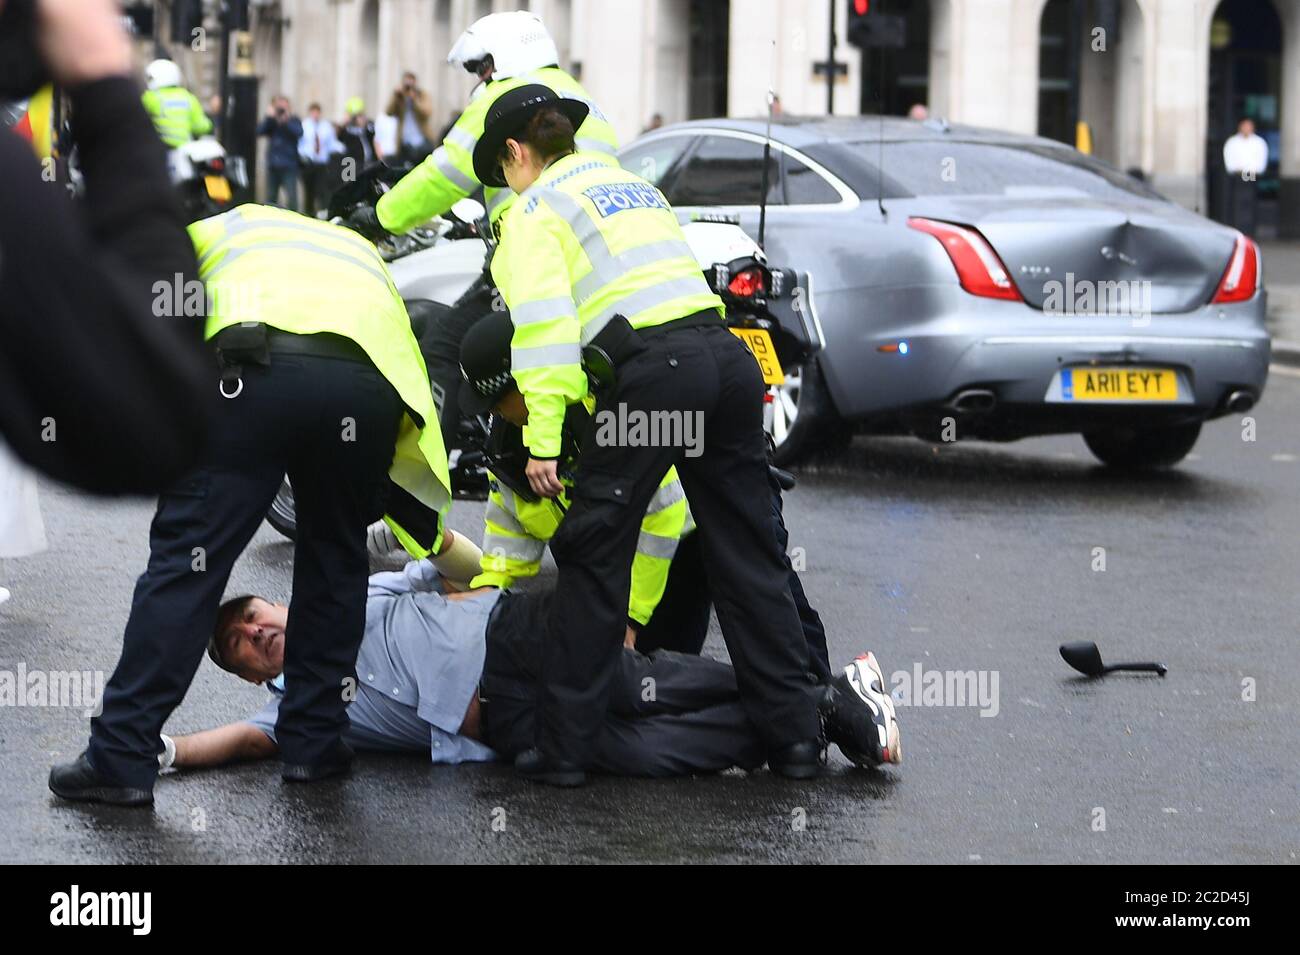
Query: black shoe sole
(111, 796)
(313, 774)
(795, 770)
(564, 779)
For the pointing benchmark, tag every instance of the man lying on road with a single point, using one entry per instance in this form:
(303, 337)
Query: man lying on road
(456, 674)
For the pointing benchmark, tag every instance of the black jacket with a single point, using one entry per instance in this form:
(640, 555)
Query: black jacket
(96, 387)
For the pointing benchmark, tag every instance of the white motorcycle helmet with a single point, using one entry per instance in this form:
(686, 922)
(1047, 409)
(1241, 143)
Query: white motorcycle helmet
(518, 43)
(161, 74)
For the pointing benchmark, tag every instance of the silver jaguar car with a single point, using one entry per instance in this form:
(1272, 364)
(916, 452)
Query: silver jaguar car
(971, 283)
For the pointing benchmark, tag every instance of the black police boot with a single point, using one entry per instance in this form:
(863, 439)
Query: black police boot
(337, 763)
(534, 765)
(802, 760)
(82, 782)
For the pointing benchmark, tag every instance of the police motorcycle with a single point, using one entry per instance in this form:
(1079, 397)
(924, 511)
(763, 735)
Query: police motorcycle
(205, 177)
(768, 308)
(432, 267)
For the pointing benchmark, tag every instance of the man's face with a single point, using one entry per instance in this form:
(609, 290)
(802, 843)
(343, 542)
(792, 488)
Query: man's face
(253, 645)
(408, 81)
(314, 112)
(1246, 127)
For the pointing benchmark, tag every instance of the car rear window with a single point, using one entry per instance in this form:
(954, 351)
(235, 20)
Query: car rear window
(951, 168)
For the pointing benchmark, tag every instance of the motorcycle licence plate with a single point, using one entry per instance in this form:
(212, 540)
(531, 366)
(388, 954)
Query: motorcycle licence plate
(759, 343)
(218, 188)
(1119, 384)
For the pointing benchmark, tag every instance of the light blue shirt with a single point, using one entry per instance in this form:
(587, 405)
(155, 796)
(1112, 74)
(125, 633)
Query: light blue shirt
(418, 668)
(329, 140)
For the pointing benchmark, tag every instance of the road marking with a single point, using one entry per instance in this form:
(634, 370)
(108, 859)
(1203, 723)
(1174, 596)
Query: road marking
(1284, 370)
(1284, 458)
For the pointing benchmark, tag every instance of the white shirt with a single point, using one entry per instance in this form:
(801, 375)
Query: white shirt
(329, 142)
(1245, 154)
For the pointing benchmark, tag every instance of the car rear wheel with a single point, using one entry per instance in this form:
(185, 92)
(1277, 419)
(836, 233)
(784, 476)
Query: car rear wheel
(1140, 448)
(801, 417)
(283, 515)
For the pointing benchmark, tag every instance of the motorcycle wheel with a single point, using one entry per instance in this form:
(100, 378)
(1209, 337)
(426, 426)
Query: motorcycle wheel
(281, 516)
(801, 418)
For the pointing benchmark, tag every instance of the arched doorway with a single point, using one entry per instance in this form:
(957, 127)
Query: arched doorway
(368, 59)
(896, 78)
(1245, 77)
(710, 42)
(1090, 73)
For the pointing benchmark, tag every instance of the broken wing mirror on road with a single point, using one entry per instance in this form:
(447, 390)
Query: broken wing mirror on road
(1086, 658)
(468, 210)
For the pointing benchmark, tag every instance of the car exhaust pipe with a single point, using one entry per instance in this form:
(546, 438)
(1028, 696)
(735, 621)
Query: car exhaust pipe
(974, 401)
(1240, 401)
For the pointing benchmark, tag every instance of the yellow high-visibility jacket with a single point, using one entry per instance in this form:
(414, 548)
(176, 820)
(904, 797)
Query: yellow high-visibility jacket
(305, 276)
(586, 241)
(176, 114)
(516, 531)
(447, 175)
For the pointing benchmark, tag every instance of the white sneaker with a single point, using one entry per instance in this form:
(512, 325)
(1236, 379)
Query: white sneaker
(858, 715)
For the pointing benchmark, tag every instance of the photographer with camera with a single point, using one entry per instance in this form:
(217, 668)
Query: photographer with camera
(283, 130)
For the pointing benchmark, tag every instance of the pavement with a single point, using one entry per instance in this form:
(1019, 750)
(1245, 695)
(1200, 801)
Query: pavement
(945, 560)
(1282, 280)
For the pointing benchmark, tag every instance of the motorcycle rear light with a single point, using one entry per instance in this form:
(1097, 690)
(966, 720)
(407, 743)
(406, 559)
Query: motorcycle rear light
(979, 269)
(217, 163)
(1241, 277)
(747, 283)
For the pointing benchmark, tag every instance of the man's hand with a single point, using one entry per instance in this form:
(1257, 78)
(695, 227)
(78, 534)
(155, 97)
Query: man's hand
(82, 40)
(366, 221)
(629, 638)
(544, 477)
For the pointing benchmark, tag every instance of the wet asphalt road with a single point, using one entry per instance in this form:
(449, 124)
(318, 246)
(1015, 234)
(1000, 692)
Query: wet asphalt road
(957, 558)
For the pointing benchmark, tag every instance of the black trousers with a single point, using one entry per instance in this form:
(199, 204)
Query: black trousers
(703, 374)
(315, 187)
(331, 425)
(681, 620)
(440, 340)
(669, 713)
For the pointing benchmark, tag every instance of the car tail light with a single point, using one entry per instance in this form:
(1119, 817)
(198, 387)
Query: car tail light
(747, 283)
(1241, 276)
(979, 269)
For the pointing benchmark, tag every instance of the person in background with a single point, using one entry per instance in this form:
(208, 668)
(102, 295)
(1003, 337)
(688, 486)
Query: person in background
(413, 108)
(80, 326)
(283, 131)
(213, 110)
(357, 134)
(919, 112)
(318, 145)
(175, 111)
(1245, 157)
(656, 121)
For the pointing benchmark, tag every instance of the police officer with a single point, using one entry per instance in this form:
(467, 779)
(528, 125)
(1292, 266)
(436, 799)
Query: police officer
(175, 111)
(321, 378)
(505, 51)
(596, 273)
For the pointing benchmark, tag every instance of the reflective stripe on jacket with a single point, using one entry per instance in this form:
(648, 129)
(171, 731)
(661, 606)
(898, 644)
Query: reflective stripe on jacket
(447, 175)
(306, 276)
(586, 242)
(176, 114)
(516, 531)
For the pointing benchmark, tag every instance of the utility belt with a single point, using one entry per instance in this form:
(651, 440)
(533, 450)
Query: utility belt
(618, 343)
(253, 343)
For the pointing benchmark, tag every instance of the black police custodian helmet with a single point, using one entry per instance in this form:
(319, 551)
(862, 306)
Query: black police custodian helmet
(506, 119)
(485, 362)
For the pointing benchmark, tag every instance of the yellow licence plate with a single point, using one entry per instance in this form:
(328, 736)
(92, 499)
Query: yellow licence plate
(759, 343)
(218, 188)
(1119, 384)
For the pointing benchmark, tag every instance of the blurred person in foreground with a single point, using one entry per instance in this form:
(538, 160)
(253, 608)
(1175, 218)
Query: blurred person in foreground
(100, 385)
